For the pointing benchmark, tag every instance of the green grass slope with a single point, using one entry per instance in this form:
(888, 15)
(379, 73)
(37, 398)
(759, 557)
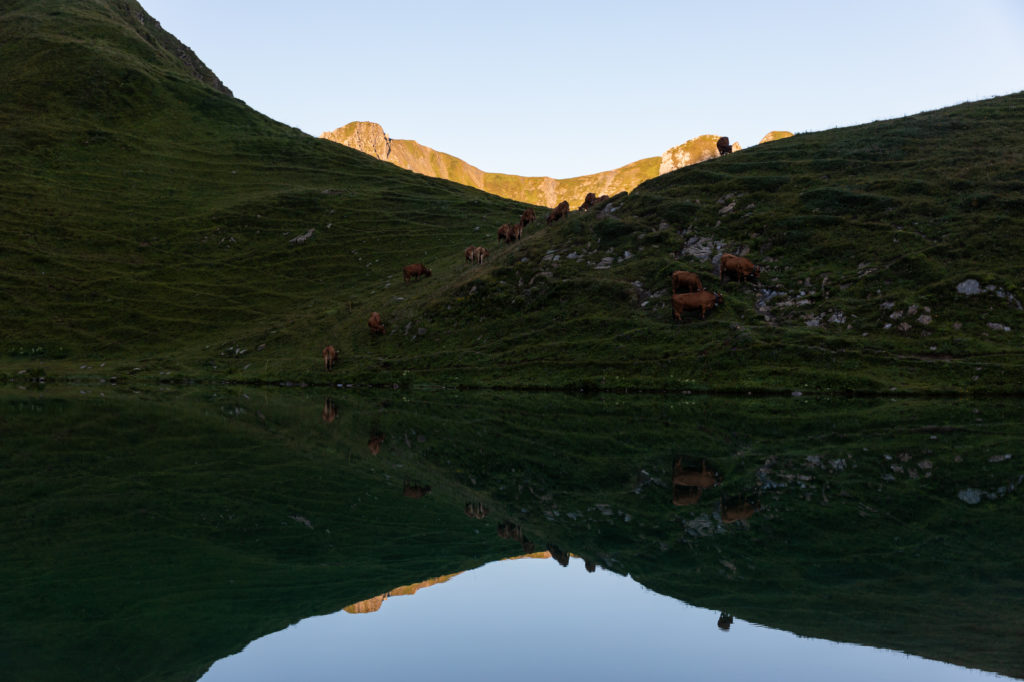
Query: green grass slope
(144, 208)
(150, 224)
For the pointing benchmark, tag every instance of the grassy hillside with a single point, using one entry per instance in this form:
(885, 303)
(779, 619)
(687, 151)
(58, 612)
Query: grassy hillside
(150, 225)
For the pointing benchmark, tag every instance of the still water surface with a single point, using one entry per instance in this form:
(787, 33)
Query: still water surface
(164, 534)
(531, 619)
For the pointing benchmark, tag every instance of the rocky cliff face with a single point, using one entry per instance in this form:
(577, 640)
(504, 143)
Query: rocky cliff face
(371, 139)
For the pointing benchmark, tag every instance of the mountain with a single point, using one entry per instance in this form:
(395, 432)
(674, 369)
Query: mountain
(371, 139)
(156, 228)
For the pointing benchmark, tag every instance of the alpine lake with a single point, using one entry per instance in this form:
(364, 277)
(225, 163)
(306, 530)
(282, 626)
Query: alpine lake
(324, 533)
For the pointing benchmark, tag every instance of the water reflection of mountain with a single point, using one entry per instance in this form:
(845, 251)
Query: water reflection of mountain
(155, 534)
(373, 604)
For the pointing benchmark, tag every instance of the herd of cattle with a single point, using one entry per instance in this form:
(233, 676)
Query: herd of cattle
(695, 297)
(699, 298)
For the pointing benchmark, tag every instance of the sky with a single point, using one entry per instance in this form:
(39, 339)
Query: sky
(565, 88)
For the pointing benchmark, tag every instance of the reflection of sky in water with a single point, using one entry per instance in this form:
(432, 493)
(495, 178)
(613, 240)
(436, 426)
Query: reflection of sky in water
(534, 620)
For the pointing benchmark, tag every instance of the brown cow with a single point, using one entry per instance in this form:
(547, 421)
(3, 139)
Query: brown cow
(689, 280)
(528, 217)
(376, 324)
(588, 202)
(471, 253)
(723, 146)
(737, 267)
(701, 300)
(415, 491)
(504, 231)
(560, 211)
(738, 509)
(330, 357)
(480, 255)
(415, 270)
(515, 232)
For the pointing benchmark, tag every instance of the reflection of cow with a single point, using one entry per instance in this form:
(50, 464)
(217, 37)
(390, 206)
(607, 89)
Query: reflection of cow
(738, 508)
(685, 495)
(330, 411)
(589, 565)
(476, 510)
(558, 555)
(415, 491)
(724, 621)
(700, 477)
(560, 211)
(330, 357)
(376, 440)
(511, 531)
(723, 146)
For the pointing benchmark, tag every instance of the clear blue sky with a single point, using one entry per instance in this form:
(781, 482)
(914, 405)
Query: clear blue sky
(564, 88)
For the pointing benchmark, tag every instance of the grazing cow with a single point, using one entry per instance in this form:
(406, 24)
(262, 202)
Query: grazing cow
(503, 232)
(415, 270)
(415, 491)
(480, 255)
(723, 146)
(701, 477)
(701, 300)
(560, 211)
(588, 202)
(375, 442)
(515, 232)
(375, 323)
(330, 411)
(528, 217)
(738, 509)
(737, 267)
(689, 280)
(330, 357)
(470, 253)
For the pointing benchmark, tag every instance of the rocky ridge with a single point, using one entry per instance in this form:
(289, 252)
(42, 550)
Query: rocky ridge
(370, 138)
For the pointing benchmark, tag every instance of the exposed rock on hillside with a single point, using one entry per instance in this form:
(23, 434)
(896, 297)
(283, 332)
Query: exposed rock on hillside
(690, 152)
(775, 135)
(371, 139)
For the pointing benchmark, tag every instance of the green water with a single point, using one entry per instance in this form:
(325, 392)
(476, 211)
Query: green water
(146, 535)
